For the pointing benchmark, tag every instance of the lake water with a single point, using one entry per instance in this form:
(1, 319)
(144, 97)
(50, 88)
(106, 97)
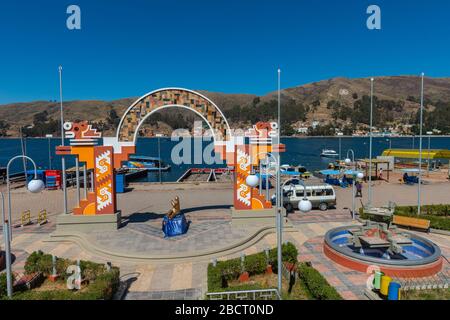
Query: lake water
(300, 151)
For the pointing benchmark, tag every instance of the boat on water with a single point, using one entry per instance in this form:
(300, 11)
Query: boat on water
(145, 162)
(329, 153)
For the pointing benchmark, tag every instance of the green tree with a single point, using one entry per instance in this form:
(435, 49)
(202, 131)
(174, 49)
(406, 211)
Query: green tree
(287, 130)
(4, 126)
(40, 117)
(113, 119)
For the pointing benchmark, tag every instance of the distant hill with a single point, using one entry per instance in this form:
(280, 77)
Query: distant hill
(316, 96)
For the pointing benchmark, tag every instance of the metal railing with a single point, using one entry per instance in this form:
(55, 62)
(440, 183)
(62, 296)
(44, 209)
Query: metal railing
(438, 281)
(265, 294)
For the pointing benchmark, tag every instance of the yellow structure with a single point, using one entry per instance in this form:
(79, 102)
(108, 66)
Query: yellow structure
(384, 288)
(42, 217)
(414, 153)
(25, 218)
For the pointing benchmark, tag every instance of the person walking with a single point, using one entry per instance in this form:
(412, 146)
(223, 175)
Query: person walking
(358, 186)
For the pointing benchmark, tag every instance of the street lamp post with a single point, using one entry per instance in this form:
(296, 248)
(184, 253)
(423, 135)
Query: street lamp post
(63, 160)
(355, 175)
(34, 186)
(420, 147)
(370, 144)
(340, 147)
(279, 203)
(6, 238)
(159, 159)
(49, 154)
(252, 181)
(305, 205)
(429, 133)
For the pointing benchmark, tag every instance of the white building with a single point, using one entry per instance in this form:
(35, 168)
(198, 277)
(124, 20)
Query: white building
(302, 130)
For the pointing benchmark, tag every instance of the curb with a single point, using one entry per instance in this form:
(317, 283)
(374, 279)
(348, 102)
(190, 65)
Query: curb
(206, 255)
(437, 231)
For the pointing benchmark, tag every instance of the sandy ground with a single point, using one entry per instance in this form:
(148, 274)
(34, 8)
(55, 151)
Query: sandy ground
(217, 196)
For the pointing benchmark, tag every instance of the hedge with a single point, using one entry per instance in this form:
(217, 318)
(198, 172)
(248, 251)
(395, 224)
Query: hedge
(102, 284)
(316, 284)
(3, 285)
(225, 271)
(40, 262)
(103, 288)
(439, 215)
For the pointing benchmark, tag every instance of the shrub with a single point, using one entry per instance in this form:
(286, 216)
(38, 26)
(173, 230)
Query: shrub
(102, 288)
(215, 278)
(255, 264)
(61, 267)
(39, 262)
(102, 284)
(3, 286)
(225, 271)
(91, 270)
(289, 254)
(316, 284)
(230, 269)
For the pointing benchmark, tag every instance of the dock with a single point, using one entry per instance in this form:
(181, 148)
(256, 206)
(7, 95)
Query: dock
(134, 173)
(207, 175)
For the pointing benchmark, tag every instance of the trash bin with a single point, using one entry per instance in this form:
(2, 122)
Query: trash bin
(384, 287)
(394, 291)
(377, 280)
(120, 183)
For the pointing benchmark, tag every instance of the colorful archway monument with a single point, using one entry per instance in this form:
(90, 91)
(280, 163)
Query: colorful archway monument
(98, 210)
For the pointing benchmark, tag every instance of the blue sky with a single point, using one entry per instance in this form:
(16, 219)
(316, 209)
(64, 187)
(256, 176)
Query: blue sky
(128, 48)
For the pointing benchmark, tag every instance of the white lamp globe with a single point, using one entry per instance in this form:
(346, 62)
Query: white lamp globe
(36, 185)
(360, 175)
(305, 205)
(252, 180)
(347, 161)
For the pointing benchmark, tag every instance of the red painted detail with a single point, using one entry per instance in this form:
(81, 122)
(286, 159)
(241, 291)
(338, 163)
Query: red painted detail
(84, 203)
(244, 277)
(269, 269)
(419, 271)
(104, 182)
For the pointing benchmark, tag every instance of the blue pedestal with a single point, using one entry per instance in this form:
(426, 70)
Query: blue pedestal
(175, 227)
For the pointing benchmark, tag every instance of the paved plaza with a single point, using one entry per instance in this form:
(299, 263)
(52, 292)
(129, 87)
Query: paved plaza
(210, 229)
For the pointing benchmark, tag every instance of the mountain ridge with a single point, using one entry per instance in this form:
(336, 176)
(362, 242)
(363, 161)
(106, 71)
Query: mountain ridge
(317, 96)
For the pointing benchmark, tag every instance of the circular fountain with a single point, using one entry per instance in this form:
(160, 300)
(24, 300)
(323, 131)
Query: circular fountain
(374, 245)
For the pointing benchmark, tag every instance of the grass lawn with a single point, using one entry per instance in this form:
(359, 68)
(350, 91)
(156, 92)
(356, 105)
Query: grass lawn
(263, 281)
(434, 294)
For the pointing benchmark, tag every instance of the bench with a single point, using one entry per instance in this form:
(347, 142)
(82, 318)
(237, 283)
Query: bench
(417, 223)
